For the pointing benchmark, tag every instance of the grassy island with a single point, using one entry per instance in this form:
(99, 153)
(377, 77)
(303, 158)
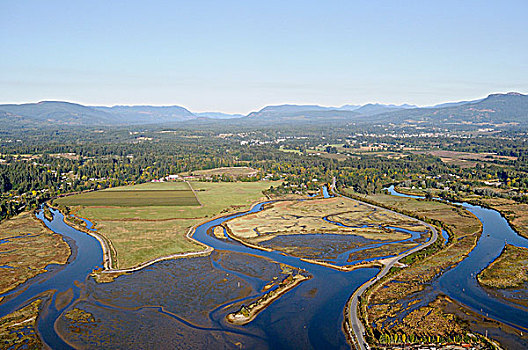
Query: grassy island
(319, 229)
(509, 270)
(248, 313)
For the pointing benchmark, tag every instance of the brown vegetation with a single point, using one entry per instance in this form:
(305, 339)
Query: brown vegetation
(509, 270)
(385, 298)
(18, 330)
(338, 216)
(27, 248)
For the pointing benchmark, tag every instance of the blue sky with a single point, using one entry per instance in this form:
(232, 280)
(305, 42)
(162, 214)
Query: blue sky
(238, 56)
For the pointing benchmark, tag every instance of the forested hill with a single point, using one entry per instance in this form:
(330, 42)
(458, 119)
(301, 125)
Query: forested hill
(57, 113)
(496, 110)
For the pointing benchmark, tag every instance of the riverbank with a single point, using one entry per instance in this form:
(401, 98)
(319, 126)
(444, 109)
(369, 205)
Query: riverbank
(27, 248)
(514, 212)
(509, 270)
(384, 298)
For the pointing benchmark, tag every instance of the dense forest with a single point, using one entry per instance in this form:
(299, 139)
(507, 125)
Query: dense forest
(37, 165)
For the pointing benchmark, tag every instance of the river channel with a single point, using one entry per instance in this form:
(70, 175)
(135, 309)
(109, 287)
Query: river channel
(460, 283)
(309, 316)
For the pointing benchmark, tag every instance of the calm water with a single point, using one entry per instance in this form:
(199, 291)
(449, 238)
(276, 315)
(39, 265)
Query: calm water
(460, 283)
(86, 255)
(310, 316)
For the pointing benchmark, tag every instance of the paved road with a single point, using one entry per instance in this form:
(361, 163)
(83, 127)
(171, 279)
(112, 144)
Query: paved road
(357, 327)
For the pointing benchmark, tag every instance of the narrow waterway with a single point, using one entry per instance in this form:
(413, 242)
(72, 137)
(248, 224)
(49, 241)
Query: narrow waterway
(86, 255)
(309, 316)
(460, 283)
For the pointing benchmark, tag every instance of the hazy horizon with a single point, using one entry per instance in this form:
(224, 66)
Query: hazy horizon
(236, 57)
(258, 109)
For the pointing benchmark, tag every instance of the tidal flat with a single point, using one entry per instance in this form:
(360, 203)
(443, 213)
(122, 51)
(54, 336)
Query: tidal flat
(184, 301)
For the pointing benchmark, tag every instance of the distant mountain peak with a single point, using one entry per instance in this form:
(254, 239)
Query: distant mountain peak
(511, 93)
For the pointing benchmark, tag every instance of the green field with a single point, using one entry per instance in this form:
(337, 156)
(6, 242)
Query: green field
(154, 186)
(135, 198)
(140, 233)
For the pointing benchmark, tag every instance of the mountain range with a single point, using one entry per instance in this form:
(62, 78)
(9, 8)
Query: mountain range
(511, 108)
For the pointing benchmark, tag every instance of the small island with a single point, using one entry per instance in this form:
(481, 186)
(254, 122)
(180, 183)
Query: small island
(248, 313)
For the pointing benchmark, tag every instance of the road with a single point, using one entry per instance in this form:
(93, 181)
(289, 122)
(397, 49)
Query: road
(356, 326)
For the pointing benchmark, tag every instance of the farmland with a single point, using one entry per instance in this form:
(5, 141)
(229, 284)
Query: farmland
(146, 231)
(137, 198)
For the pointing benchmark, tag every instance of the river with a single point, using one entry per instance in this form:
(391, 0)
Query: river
(313, 323)
(292, 321)
(460, 283)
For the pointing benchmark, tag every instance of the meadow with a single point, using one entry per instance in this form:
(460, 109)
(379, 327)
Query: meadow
(139, 232)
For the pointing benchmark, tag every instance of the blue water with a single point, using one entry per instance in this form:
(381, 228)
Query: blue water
(445, 236)
(86, 255)
(89, 224)
(313, 323)
(460, 283)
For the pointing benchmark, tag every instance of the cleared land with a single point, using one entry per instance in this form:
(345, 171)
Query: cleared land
(509, 270)
(233, 172)
(385, 300)
(26, 248)
(142, 233)
(151, 194)
(154, 186)
(346, 223)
